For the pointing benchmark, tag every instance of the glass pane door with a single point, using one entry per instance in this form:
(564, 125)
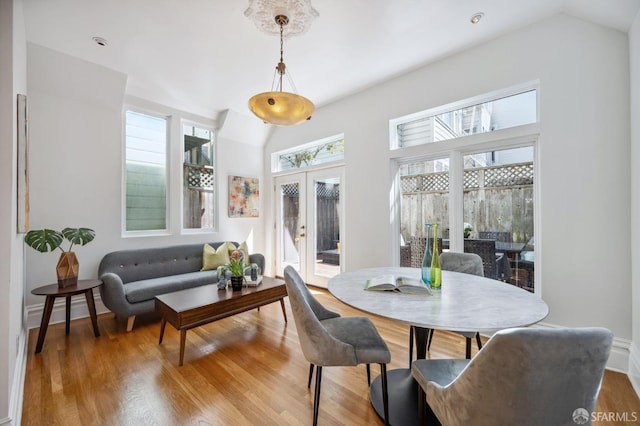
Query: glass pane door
(309, 222)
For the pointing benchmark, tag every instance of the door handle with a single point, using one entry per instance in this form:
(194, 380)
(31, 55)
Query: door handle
(302, 235)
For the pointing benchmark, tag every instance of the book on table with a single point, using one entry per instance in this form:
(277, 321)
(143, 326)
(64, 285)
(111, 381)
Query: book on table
(398, 284)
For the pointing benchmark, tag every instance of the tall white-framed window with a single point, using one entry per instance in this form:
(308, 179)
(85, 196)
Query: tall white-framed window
(481, 188)
(198, 178)
(146, 174)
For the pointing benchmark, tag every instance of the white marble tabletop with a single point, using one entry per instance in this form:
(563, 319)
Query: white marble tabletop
(465, 303)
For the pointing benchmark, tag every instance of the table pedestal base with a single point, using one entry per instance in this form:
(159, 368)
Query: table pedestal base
(403, 397)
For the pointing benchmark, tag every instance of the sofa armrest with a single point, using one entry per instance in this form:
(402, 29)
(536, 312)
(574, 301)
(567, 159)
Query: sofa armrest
(112, 293)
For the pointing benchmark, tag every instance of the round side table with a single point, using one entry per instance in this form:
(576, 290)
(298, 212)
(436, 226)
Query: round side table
(52, 291)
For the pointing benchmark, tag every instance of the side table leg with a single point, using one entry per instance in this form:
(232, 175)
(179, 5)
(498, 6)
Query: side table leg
(44, 323)
(284, 312)
(91, 304)
(163, 324)
(183, 339)
(67, 317)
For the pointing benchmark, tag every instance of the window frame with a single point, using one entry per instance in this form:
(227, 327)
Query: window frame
(455, 149)
(169, 122)
(394, 143)
(215, 207)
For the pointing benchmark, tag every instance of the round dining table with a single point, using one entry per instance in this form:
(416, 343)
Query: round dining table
(464, 303)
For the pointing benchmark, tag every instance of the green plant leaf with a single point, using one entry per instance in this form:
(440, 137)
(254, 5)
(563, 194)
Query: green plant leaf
(80, 236)
(43, 240)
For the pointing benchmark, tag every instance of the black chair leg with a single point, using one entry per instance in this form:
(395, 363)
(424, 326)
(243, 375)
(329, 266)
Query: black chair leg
(430, 338)
(478, 341)
(385, 393)
(421, 406)
(316, 396)
(310, 376)
(468, 349)
(369, 375)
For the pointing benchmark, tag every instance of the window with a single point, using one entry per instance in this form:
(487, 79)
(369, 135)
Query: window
(198, 206)
(145, 172)
(480, 191)
(495, 114)
(315, 153)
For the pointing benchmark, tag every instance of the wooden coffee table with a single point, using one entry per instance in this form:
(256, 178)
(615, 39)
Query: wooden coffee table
(187, 309)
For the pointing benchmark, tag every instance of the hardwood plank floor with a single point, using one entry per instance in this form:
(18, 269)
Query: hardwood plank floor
(244, 370)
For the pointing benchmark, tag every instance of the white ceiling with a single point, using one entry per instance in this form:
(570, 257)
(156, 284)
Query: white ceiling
(205, 56)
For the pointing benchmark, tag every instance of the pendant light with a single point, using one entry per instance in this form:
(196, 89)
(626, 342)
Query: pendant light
(277, 106)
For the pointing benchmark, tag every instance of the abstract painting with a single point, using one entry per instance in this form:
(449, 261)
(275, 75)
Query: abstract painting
(244, 196)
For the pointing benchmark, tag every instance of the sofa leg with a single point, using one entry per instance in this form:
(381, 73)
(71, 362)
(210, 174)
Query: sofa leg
(130, 321)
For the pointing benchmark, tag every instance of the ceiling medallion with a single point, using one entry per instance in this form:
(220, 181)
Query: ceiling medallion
(300, 13)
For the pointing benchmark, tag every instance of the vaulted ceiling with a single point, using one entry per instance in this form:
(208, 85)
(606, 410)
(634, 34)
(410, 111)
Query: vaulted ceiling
(206, 56)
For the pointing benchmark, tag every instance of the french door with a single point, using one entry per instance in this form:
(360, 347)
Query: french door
(309, 218)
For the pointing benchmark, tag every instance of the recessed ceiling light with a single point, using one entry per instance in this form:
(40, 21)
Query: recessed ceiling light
(476, 17)
(99, 40)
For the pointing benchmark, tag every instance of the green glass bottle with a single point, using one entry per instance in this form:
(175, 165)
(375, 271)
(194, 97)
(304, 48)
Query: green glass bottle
(436, 270)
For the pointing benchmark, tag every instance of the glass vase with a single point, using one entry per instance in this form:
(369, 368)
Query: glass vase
(435, 280)
(428, 256)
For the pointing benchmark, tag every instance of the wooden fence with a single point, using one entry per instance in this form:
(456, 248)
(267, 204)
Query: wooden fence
(496, 198)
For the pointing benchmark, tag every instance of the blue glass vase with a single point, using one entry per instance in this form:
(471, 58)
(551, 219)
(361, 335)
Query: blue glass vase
(428, 257)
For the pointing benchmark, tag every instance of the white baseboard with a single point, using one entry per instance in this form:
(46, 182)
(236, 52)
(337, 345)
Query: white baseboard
(634, 368)
(17, 389)
(78, 310)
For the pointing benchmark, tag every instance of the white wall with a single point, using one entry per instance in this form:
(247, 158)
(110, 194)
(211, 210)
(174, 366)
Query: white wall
(584, 236)
(13, 80)
(634, 59)
(76, 156)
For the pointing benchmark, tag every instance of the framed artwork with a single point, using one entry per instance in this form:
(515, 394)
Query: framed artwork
(23, 165)
(244, 196)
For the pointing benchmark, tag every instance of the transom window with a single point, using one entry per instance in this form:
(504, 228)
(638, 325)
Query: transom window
(451, 122)
(324, 151)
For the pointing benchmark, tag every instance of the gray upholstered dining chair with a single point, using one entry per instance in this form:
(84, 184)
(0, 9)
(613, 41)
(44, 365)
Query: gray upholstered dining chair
(327, 339)
(468, 263)
(523, 376)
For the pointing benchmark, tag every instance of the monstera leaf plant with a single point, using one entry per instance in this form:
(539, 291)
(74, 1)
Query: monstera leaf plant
(45, 240)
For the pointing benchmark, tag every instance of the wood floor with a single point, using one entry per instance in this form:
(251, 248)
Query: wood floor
(244, 370)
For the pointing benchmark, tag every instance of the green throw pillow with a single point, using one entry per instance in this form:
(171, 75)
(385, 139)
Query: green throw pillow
(212, 258)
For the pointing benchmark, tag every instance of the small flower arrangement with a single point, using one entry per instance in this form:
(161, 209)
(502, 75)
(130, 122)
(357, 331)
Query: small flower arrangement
(236, 264)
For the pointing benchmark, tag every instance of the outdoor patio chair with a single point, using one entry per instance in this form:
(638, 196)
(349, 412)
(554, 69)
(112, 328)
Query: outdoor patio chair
(327, 339)
(486, 249)
(525, 376)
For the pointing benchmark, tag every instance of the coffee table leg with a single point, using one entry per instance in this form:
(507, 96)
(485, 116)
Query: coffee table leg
(44, 323)
(163, 324)
(67, 315)
(284, 312)
(92, 311)
(183, 339)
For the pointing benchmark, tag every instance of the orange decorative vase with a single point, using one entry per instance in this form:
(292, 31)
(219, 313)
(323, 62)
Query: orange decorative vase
(67, 269)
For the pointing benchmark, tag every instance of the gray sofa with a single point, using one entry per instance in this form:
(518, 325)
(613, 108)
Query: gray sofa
(132, 278)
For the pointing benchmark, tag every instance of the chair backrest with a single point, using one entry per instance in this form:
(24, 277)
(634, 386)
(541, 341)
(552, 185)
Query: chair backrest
(504, 237)
(318, 346)
(486, 249)
(527, 376)
(468, 263)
